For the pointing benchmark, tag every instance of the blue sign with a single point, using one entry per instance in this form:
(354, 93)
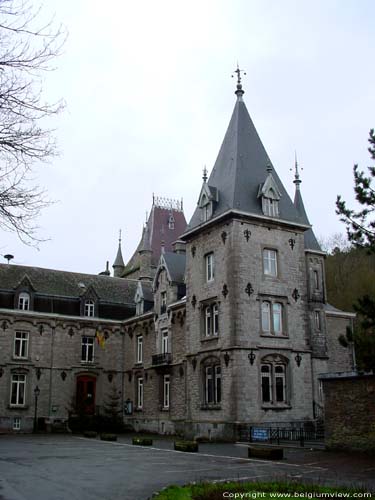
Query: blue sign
(259, 434)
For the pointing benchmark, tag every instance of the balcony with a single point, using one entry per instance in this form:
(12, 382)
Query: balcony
(162, 359)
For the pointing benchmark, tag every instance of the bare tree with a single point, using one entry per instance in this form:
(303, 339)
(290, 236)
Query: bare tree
(26, 53)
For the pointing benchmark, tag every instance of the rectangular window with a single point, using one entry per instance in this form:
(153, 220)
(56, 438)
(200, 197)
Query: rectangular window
(210, 271)
(17, 424)
(316, 280)
(211, 320)
(208, 321)
(209, 385)
(17, 391)
(24, 301)
(165, 342)
(217, 384)
(163, 302)
(318, 324)
(269, 262)
(89, 308)
(166, 391)
(266, 383)
(21, 345)
(280, 384)
(139, 349)
(272, 318)
(139, 393)
(87, 355)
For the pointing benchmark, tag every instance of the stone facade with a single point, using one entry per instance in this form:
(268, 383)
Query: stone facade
(350, 408)
(210, 327)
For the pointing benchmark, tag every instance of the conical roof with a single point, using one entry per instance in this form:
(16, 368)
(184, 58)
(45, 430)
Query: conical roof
(119, 261)
(311, 243)
(240, 169)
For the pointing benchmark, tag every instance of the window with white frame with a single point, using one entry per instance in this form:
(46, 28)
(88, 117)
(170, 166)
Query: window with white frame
(273, 382)
(139, 349)
(270, 207)
(211, 320)
(210, 267)
(272, 318)
(87, 350)
(166, 391)
(212, 383)
(24, 301)
(270, 262)
(21, 345)
(165, 341)
(17, 423)
(171, 222)
(89, 308)
(139, 393)
(18, 390)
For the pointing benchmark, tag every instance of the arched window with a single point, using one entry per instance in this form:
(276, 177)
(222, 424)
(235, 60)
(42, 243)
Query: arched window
(24, 301)
(211, 375)
(89, 308)
(273, 372)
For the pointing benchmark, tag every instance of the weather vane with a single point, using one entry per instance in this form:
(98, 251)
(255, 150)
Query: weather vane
(239, 92)
(296, 169)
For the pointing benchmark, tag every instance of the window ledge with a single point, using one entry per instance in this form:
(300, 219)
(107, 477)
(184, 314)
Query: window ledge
(18, 407)
(138, 364)
(208, 407)
(276, 407)
(138, 410)
(275, 336)
(89, 363)
(209, 338)
(165, 409)
(20, 359)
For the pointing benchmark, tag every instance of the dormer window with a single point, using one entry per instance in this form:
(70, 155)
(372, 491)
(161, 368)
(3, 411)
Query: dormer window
(24, 301)
(207, 198)
(171, 222)
(270, 207)
(270, 195)
(89, 308)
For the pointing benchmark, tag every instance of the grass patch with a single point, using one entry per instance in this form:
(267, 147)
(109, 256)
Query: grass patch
(264, 491)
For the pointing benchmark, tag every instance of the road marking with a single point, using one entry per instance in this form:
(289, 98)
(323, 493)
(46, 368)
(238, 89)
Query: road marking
(250, 460)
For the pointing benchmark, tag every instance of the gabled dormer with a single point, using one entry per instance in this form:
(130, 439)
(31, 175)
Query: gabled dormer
(24, 295)
(207, 199)
(143, 298)
(270, 195)
(89, 301)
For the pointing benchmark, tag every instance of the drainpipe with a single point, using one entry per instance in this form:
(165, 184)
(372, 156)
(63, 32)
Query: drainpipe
(53, 329)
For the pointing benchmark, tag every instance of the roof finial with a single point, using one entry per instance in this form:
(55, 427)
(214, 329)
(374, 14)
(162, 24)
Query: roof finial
(297, 181)
(239, 92)
(119, 237)
(204, 177)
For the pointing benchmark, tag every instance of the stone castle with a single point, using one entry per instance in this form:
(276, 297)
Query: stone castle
(211, 327)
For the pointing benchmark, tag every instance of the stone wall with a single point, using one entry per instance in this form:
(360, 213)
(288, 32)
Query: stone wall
(349, 412)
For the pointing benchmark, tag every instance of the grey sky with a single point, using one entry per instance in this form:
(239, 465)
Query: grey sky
(149, 97)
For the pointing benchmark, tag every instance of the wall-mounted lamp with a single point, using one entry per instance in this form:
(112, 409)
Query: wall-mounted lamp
(298, 359)
(251, 357)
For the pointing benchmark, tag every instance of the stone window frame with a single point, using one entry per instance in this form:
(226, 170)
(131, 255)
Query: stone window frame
(270, 206)
(211, 397)
(21, 343)
(139, 393)
(267, 248)
(139, 349)
(21, 386)
(165, 341)
(209, 266)
(87, 349)
(274, 362)
(213, 305)
(317, 320)
(273, 300)
(163, 301)
(166, 392)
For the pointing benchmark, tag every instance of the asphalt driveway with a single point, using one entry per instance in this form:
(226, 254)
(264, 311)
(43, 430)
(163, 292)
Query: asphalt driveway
(64, 467)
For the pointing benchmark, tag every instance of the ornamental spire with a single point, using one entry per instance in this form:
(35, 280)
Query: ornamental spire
(297, 181)
(239, 92)
(205, 176)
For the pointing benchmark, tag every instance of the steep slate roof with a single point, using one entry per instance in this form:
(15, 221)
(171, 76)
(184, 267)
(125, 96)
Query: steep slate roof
(240, 168)
(67, 284)
(119, 261)
(175, 263)
(157, 231)
(311, 243)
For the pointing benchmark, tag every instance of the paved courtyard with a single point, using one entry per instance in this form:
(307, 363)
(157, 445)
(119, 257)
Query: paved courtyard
(59, 467)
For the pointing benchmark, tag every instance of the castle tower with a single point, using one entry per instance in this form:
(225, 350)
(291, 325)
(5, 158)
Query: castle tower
(118, 265)
(247, 307)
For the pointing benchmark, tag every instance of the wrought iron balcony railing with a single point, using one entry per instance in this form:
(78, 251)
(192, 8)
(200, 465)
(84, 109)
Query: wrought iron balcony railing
(162, 359)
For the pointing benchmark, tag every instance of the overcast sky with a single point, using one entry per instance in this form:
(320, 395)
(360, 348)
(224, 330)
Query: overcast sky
(149, 96)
